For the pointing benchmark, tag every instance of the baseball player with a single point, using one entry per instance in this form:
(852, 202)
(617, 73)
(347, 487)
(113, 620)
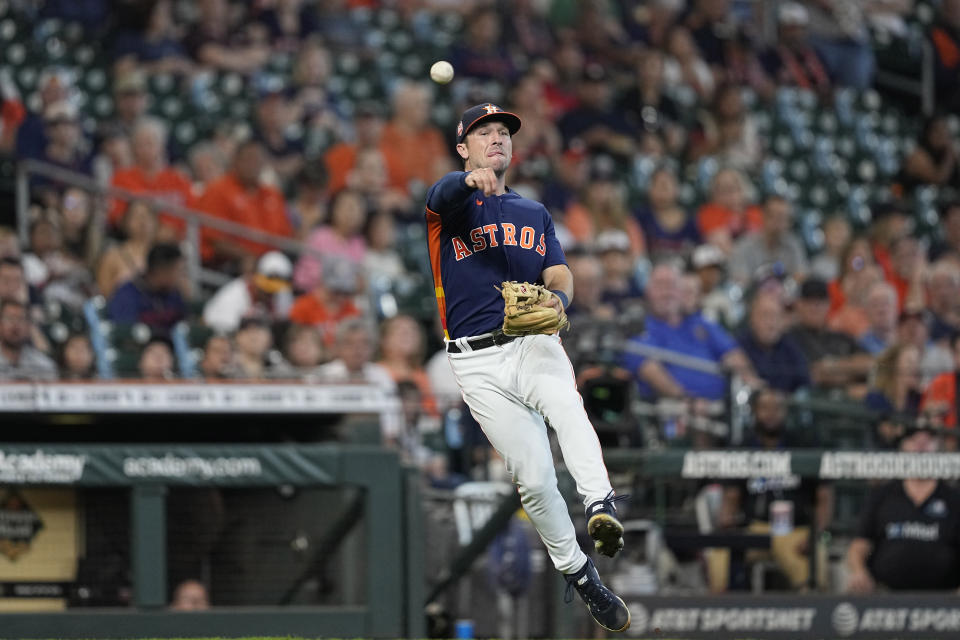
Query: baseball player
(481, 236)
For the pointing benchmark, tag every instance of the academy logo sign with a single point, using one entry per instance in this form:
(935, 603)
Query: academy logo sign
(41, 468)
(866, 466)
(736, 464)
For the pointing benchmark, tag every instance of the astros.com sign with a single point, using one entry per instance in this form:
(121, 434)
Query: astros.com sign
(813, 616)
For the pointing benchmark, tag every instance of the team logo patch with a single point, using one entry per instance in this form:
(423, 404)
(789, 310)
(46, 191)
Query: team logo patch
(491, 108)
(459, 129)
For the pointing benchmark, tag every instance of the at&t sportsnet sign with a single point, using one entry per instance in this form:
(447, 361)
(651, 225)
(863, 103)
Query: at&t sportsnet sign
(796, 617)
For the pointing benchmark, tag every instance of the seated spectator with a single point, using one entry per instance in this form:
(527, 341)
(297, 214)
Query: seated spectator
(314, 105)
(839, 34)
(949, 246)
(156, 362)
(933, 160)
(836, 236)
(595, 122)
(354, 349)
(271, 126)
(728, 215)
(240, 197)
(603, 207)
(668, 229)
(342, 156)
(112, 154)
(152, 176)
(217, 360)
(216, 40)
(402, 345)
(54, 85)
(588, 279)
(156, 47)
(253, 357)
(620, 288)
(906, 539)
(908, 268)
(940, 396)
(190, 595)
(727, 132)
(9, 244)
(539, 140)
(128, 259)
(836, 360)
(773, 244)
(76, 358)
(130, 101)
(381, 261)
(889, 222)
(425, 157)
(856, 258)
(288, 23)
(943, 299)
(775, 356)
(647, 106)
(19, 360)
(154, 298)
(934, 358)
(370, 179)
(718, 303)
(55, 273)
(303, 348)
(66, 147)
(685, 66)
(207, 163)
(880, 314)
(264, 293)
(945, 36)
(308, 208)
(668, 329)
(13, 281)
(80, 239)
(753, 502)
(481, 54)
(896, 393)
(792, 61)
(328, 304)
(341, 239)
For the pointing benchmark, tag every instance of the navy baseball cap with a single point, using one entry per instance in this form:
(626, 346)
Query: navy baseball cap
(483, 112)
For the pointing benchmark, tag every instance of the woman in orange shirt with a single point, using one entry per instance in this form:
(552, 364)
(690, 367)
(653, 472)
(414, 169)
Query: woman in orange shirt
(727, 215)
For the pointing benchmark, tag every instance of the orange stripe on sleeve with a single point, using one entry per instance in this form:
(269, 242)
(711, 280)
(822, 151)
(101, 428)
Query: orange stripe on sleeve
(434, 230)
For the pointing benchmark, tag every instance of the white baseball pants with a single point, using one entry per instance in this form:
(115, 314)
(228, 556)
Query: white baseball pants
(510, 389)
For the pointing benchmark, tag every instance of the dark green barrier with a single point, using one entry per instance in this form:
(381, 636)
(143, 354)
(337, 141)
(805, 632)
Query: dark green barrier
(393, 555)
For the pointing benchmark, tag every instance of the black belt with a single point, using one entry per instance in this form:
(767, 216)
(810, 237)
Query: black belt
(497, 338)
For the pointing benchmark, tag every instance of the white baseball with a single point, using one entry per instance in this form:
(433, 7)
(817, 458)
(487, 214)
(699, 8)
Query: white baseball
(441, 72)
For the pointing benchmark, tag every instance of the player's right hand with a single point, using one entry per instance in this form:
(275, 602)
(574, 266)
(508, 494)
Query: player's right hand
(483, 179)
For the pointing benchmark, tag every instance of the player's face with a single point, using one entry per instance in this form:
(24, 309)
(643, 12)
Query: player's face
(488, 145)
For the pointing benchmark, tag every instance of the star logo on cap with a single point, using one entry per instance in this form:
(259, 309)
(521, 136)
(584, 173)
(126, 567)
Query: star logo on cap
(491, 108)
(459, 129)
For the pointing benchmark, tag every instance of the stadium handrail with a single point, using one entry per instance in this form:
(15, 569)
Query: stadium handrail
(194, 218)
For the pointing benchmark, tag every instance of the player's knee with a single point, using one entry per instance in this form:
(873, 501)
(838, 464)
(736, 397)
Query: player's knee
(537, 482)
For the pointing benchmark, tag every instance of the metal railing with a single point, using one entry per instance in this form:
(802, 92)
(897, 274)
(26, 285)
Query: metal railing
(193, 218)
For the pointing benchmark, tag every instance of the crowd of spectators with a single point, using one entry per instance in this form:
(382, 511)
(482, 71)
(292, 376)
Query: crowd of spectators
(625, 106)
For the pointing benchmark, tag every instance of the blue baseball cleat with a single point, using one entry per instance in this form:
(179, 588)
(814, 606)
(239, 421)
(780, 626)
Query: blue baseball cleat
(606, 607)
(604, 526)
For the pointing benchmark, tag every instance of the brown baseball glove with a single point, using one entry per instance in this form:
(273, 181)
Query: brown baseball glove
(525, 311)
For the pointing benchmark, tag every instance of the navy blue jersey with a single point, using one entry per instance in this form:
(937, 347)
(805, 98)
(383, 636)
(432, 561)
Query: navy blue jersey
(477, 242)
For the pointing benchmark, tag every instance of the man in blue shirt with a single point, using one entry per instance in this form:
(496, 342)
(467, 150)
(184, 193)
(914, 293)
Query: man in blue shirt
(669, 330)
(154, 298)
